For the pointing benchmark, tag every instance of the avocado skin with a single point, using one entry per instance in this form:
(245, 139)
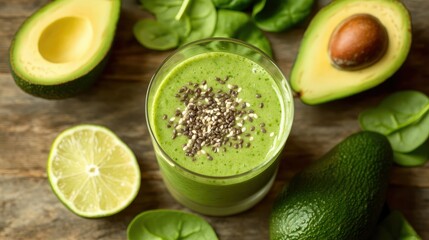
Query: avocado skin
(63, 90)
(339, 196)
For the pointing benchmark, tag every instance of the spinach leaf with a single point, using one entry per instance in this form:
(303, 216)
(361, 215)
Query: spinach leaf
(415, 158)
(233, 4)
(410, 137)
(229, 23)
(403, 117)
(395, 226)
(190, 19)
(169, 224)
(239, 25)
(155, 35)
(157, 7)
(280, 15)
(202, 14)
(251, 34)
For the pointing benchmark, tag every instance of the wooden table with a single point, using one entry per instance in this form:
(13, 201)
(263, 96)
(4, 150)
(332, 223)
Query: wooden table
(28, 125)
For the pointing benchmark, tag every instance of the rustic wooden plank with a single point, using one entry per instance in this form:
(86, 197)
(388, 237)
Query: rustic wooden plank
(24, 213)
(28, 125)
(414, 204)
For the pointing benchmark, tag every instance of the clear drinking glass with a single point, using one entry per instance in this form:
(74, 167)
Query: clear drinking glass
(220, 195)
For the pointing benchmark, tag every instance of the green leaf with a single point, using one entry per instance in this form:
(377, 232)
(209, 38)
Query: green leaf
(202, 14)
(169, 224)
(166, 12)
(280, 15)
(251, 34)
(233, 4)
(415, 158)
(182, 9)
(409, 138)
(234, 24)
(403, 117)
(229, 23)
(378, 120)
(190, 19)
(158, 7)
(155, 35)
(394, 227)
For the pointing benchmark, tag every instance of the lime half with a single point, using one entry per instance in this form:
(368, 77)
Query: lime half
(92, 171)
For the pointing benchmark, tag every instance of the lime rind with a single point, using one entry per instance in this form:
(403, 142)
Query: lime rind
(80, 186)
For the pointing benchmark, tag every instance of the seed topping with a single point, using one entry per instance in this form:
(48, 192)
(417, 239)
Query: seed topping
(212, 118)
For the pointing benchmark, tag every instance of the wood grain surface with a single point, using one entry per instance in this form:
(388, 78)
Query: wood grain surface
(28, 125)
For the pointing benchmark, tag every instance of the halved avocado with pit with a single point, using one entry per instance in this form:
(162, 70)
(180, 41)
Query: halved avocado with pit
(351, 46)
(61, 49)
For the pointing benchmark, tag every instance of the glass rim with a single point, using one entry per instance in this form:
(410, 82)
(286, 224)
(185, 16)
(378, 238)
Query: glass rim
(289, 113)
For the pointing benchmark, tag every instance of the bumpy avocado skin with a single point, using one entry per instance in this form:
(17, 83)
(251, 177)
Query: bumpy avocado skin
(340, 196)
(307, 60)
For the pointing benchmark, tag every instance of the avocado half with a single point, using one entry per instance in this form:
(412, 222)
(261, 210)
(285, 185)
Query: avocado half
(315, 77)
(61, 49)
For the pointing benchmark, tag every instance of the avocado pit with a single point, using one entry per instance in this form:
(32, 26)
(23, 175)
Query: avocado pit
(358, 42)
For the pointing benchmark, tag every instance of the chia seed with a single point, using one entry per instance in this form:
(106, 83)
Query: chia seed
(212, 118)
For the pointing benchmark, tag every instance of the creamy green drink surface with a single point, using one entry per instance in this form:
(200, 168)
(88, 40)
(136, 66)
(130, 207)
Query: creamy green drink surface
(220, 85)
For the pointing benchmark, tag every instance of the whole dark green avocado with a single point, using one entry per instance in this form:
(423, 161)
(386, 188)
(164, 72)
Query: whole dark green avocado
(339, 196)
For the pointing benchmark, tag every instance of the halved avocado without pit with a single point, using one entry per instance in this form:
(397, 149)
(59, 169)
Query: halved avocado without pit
(61, 49)
(350, 46)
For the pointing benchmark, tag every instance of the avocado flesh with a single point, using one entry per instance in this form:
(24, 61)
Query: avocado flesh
(62, 48)
(340, 196)
(313, 75)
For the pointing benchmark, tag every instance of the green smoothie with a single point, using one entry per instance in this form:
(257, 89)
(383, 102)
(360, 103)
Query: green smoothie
(219, 121)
